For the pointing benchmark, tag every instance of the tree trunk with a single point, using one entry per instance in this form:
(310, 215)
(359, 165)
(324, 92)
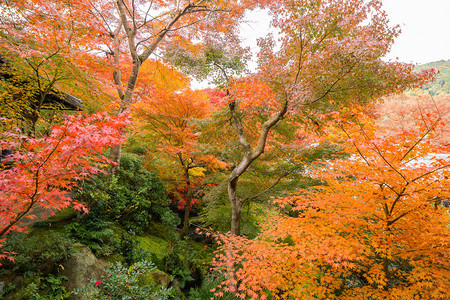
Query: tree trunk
(114, 156)
(187, 208)
(236, 207)
(249, 157)
(131, 31)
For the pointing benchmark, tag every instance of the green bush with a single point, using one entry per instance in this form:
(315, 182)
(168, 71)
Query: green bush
(124, 283)
(179, 260)
(131, 198)
(96, 234)
(204, 291)
(167, 216)
(128, 248)
(54, 288)
(34, 251)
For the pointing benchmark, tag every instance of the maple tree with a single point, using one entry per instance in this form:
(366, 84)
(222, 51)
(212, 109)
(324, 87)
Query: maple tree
(400, 112)
(169, 119)
(46, 169)
(290, 150)
(30, 91)
(117, 37)
(374, 228)
(328, 56)
(44, 56)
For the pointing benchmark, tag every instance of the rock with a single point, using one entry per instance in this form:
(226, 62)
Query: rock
(80, 267)
(160, 278)
(176, 285)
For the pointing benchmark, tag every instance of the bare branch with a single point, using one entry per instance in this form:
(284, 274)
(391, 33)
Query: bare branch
(399, 195)
(354, 144)
(429, 129)
(266, 128)
(378, 151)
(430, 172)
(233, 105)
(266, 190)
(330, 89)
(147, 12)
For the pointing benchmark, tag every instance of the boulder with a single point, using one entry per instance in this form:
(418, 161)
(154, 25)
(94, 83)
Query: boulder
(175, 284)
(80, 267)
(160, 278)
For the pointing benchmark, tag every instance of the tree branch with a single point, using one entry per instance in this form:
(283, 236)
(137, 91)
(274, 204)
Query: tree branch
(266, 190)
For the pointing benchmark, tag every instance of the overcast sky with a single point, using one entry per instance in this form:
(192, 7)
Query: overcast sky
(425, 27)
(425, 33)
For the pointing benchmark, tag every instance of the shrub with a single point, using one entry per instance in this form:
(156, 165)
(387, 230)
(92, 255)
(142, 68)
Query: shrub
(95, 233)
(33, 251)
(130, 198)
(207, 289)
(179, 260)
(128, 248)
(55, 288)
(121, 282)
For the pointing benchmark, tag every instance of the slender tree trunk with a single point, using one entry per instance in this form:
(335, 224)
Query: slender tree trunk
(236, 204)
(187, 209)
(127, 22)
(236, 207)
(249, 157)
(114, 155)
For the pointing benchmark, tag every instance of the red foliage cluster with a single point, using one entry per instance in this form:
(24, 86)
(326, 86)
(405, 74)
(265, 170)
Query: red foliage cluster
(47, 169)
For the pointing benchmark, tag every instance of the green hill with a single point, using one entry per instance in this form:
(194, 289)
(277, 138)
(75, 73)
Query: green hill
(442, 83)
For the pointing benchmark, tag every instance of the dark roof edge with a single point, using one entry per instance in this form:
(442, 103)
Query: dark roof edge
(67, 98)
(77, 103)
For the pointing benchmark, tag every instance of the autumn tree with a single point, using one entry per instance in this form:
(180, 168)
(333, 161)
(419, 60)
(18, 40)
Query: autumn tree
(47, 169)
(328, 56)
(123, 34)
(38, 63)
(376, 227)
(401, 111)
(291, 149)
(169, 121)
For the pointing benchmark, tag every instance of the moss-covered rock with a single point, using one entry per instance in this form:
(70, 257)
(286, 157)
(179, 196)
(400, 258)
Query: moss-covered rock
(157, 277)
(82, 266)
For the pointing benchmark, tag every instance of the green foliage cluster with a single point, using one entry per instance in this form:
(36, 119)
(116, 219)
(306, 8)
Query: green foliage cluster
(55, 288)
(206, 290)
(36, 252)
(177, 257)
(179, 260)
(49, 287)
(121, 282)
(96, 234)
(216, 209)
(441, 85)
(129, 199)
(37, 258)
(213, 63)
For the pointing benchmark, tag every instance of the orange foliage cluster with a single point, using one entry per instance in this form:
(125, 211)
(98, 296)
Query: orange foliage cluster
(398, 112)
(169, 115)
(375, 227)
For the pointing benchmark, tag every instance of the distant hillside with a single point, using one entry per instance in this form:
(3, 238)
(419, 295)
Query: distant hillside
(442, 83)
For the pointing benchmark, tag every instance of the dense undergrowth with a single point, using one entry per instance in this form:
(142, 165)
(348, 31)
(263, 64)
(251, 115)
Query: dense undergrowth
(131, 226)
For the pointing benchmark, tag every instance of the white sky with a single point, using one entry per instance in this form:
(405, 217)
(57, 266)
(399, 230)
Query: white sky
(425, 27)
(425, 33)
